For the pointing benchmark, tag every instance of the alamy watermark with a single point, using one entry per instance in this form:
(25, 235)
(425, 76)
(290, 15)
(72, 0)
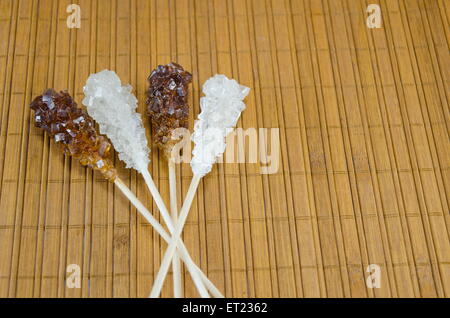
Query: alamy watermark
(374, 278)
(242, 146)
(74, 19)
(73, 279)
(374, 19)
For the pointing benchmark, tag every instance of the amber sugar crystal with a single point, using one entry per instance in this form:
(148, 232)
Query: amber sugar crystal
(73, 129)
(167, 103)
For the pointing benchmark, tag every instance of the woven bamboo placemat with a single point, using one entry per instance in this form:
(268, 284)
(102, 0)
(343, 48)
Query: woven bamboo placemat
(363, 121)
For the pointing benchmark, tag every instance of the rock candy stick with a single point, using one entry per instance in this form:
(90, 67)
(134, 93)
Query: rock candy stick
(221, 108)
(168, 110)
(167, 104)
(73, 130)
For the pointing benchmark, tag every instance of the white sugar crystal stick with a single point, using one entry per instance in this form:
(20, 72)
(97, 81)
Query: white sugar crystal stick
(113, 106)
(220, 110)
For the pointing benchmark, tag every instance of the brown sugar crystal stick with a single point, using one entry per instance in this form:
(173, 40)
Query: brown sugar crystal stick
(73, 130)
(168, 110)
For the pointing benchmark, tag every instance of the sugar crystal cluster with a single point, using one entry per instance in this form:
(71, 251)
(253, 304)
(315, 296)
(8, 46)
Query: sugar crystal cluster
(73, 129)
(221, 108)
(113, 107)
(167, 102)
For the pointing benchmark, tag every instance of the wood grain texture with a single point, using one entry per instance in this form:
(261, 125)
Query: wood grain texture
(363, 116)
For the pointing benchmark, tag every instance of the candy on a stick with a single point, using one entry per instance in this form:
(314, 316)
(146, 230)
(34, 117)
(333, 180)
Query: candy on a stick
(73, 129)
(113, 106)
(220, 110)
(167, 106)
(167, 103)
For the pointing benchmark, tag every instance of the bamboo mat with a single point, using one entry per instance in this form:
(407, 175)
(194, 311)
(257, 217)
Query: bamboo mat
(363, 119)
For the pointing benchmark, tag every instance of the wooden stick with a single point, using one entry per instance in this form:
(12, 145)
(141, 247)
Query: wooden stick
(160, 277)
(177, 289)
(190, 264)
(196, 273)
(159, 203)
(158, 199)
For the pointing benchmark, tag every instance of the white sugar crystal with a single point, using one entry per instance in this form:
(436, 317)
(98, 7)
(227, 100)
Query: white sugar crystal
(220, 110)
(113, 106)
